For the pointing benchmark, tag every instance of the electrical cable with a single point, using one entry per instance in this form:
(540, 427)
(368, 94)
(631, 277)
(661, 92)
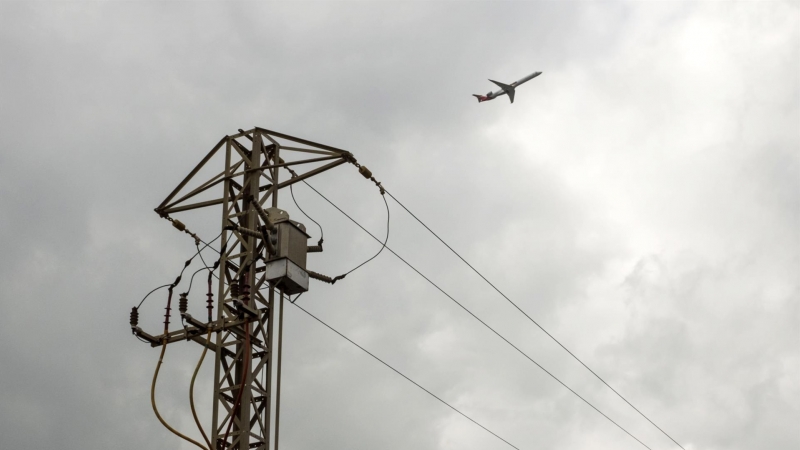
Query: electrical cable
(383, 246)
(191, 390)
(530, 318)
(208, 244)
(148, 294)
(165, 342)
(191, 280)
(155, 378)
(321, 233)
(404, 376)
(339, 277)
(185, 265)
(202, 357)
(197, 245)
(153, 401)
(143, 340)
(479, 320)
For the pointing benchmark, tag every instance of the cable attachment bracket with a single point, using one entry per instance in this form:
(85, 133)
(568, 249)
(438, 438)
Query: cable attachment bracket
(180, 227)
(366, 173)
(324, 278)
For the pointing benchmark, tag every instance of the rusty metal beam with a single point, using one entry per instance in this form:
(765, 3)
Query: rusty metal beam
(310, 173)
(175, 209)
(193, 172)
(302, 141)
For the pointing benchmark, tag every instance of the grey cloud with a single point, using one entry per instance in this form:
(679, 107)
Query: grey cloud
(639, 199)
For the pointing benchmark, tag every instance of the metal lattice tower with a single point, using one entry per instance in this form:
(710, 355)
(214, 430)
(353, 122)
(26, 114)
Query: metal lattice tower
(261, 251)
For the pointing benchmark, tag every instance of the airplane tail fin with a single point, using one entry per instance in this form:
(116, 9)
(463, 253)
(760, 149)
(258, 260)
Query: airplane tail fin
(478, 97)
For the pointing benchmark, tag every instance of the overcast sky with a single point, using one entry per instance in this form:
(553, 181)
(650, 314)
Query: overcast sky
(640, 200)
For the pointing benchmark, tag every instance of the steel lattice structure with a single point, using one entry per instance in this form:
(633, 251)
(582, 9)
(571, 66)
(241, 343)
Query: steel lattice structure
(259, 251)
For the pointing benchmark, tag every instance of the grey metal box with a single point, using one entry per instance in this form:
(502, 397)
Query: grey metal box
(287, 276)
(292, 242)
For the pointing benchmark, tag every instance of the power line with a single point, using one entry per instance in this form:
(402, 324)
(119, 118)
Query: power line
(383, 246)
(321, 232)
(530, 318)
(185, 265)
(402, 375)
(479, 320)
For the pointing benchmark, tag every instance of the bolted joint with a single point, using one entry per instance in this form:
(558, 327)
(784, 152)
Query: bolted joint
(349, 157)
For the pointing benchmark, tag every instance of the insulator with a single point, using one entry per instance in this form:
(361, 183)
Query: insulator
(263, 214)
(210, 306)
(178, 224)
(235, 289)
(134, 317)
(167, 313)
(248, 232)
(320, 277)
(365, 172)
(183, 303)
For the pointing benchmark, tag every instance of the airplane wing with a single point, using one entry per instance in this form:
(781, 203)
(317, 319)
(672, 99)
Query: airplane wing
(506, 88)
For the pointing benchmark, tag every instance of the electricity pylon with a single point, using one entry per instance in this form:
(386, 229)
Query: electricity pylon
(261, 249)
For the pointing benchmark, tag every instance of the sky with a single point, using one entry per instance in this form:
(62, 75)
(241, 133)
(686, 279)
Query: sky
(640, 200)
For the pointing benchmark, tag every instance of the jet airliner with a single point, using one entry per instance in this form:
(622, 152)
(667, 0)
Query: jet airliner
(505, 89)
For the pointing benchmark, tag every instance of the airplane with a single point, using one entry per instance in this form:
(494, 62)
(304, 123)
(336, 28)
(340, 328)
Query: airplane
(505, 89)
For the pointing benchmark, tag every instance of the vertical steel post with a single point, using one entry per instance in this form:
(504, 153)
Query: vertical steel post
(278, 387)
(238, 397)
(275, 344)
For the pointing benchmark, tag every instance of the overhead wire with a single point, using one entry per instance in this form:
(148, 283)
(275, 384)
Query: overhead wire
(383, 246)
(199, 253)
(148, 294)
(404, 376)
(321, 232)
(385, 241)
(191, 280)
(529, 317)
(481, 321)
(185, 265)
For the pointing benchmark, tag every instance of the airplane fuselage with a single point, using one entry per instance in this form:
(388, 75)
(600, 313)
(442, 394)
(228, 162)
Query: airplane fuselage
(501, 92)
